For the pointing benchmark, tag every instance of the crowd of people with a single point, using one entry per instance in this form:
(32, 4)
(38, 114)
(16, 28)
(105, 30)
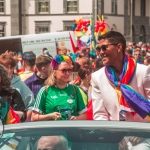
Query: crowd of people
(76, 86)
(61, 88)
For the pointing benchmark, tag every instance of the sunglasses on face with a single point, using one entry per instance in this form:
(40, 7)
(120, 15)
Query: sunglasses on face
(65, 70)
(104, 47)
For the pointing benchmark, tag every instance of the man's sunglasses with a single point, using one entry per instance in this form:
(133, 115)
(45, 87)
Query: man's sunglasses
(66, 70)
(104, 47)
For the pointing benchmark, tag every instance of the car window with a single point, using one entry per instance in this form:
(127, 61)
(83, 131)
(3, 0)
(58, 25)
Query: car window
(78, 138)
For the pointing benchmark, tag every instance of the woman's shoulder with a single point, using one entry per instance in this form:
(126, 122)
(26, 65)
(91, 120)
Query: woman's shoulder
(46, 89)
(76, 88)
(73, 86)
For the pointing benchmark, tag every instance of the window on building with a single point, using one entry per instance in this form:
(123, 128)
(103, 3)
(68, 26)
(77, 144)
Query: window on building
(68, 25)
(143, 7)
(142, 34)
(72, 6)
(2, 29)
(43, 6)
(42, 27)
(2, 6)
(114, 6)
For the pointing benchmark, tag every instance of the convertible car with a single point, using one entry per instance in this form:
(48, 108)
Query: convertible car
(81, 135)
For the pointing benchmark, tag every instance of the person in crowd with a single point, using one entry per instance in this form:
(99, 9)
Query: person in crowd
(14, 54)
(83, 61)
(137, 56)
(19, 68)
(83, 52)
(97, 52)
(59, 100)
(28, 63)
(120, 72)
(63, 51)
(84, 74)
(139, 44)
(147, 61)
(143, 51)
(129, 52)
(74, 74)
(144, 47)
(27, 96)
(79, 42)
(87, 52)
(52, 143)
(130, 45)
(98, 64)
(92, 58)
(36, 81)
(10, 96)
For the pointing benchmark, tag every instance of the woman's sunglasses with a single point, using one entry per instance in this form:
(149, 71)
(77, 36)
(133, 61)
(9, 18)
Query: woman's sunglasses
(104, 47)
(66, 70)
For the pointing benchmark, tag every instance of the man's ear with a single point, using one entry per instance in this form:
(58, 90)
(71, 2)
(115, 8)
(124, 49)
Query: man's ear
(120, 47)
(43, 69)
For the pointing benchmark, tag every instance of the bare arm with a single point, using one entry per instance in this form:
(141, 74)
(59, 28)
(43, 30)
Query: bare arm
(80, 117)
(36, 116)
(29, 112)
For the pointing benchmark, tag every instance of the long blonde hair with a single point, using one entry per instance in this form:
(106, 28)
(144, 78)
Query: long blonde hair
(50, 81)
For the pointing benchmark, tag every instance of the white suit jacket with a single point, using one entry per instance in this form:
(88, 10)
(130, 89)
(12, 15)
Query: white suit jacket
(105, 100)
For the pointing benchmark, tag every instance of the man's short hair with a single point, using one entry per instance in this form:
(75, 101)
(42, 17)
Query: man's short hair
(148, 59)
(42, 61)
(53, 143)
(84, 61)
(29, 57)
(8, 59)
(114, 37)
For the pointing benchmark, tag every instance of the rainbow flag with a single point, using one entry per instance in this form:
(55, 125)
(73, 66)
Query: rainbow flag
(129, 99)
(7, 114)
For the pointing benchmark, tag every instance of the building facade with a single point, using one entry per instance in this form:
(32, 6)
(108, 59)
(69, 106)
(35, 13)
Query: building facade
(130, 17)
(19, 17)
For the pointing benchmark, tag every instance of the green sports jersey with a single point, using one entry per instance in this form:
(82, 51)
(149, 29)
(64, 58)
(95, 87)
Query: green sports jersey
(70, 101)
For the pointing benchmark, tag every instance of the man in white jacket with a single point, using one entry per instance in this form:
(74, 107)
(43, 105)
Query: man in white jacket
(112, 95)
(105, 95)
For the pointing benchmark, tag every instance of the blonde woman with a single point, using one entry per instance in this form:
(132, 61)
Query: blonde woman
(59, 100)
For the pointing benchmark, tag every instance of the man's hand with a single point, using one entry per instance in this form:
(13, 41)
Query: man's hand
(73, 118)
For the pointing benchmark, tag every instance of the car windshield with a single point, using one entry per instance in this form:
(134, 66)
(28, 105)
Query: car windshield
(80, 135)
